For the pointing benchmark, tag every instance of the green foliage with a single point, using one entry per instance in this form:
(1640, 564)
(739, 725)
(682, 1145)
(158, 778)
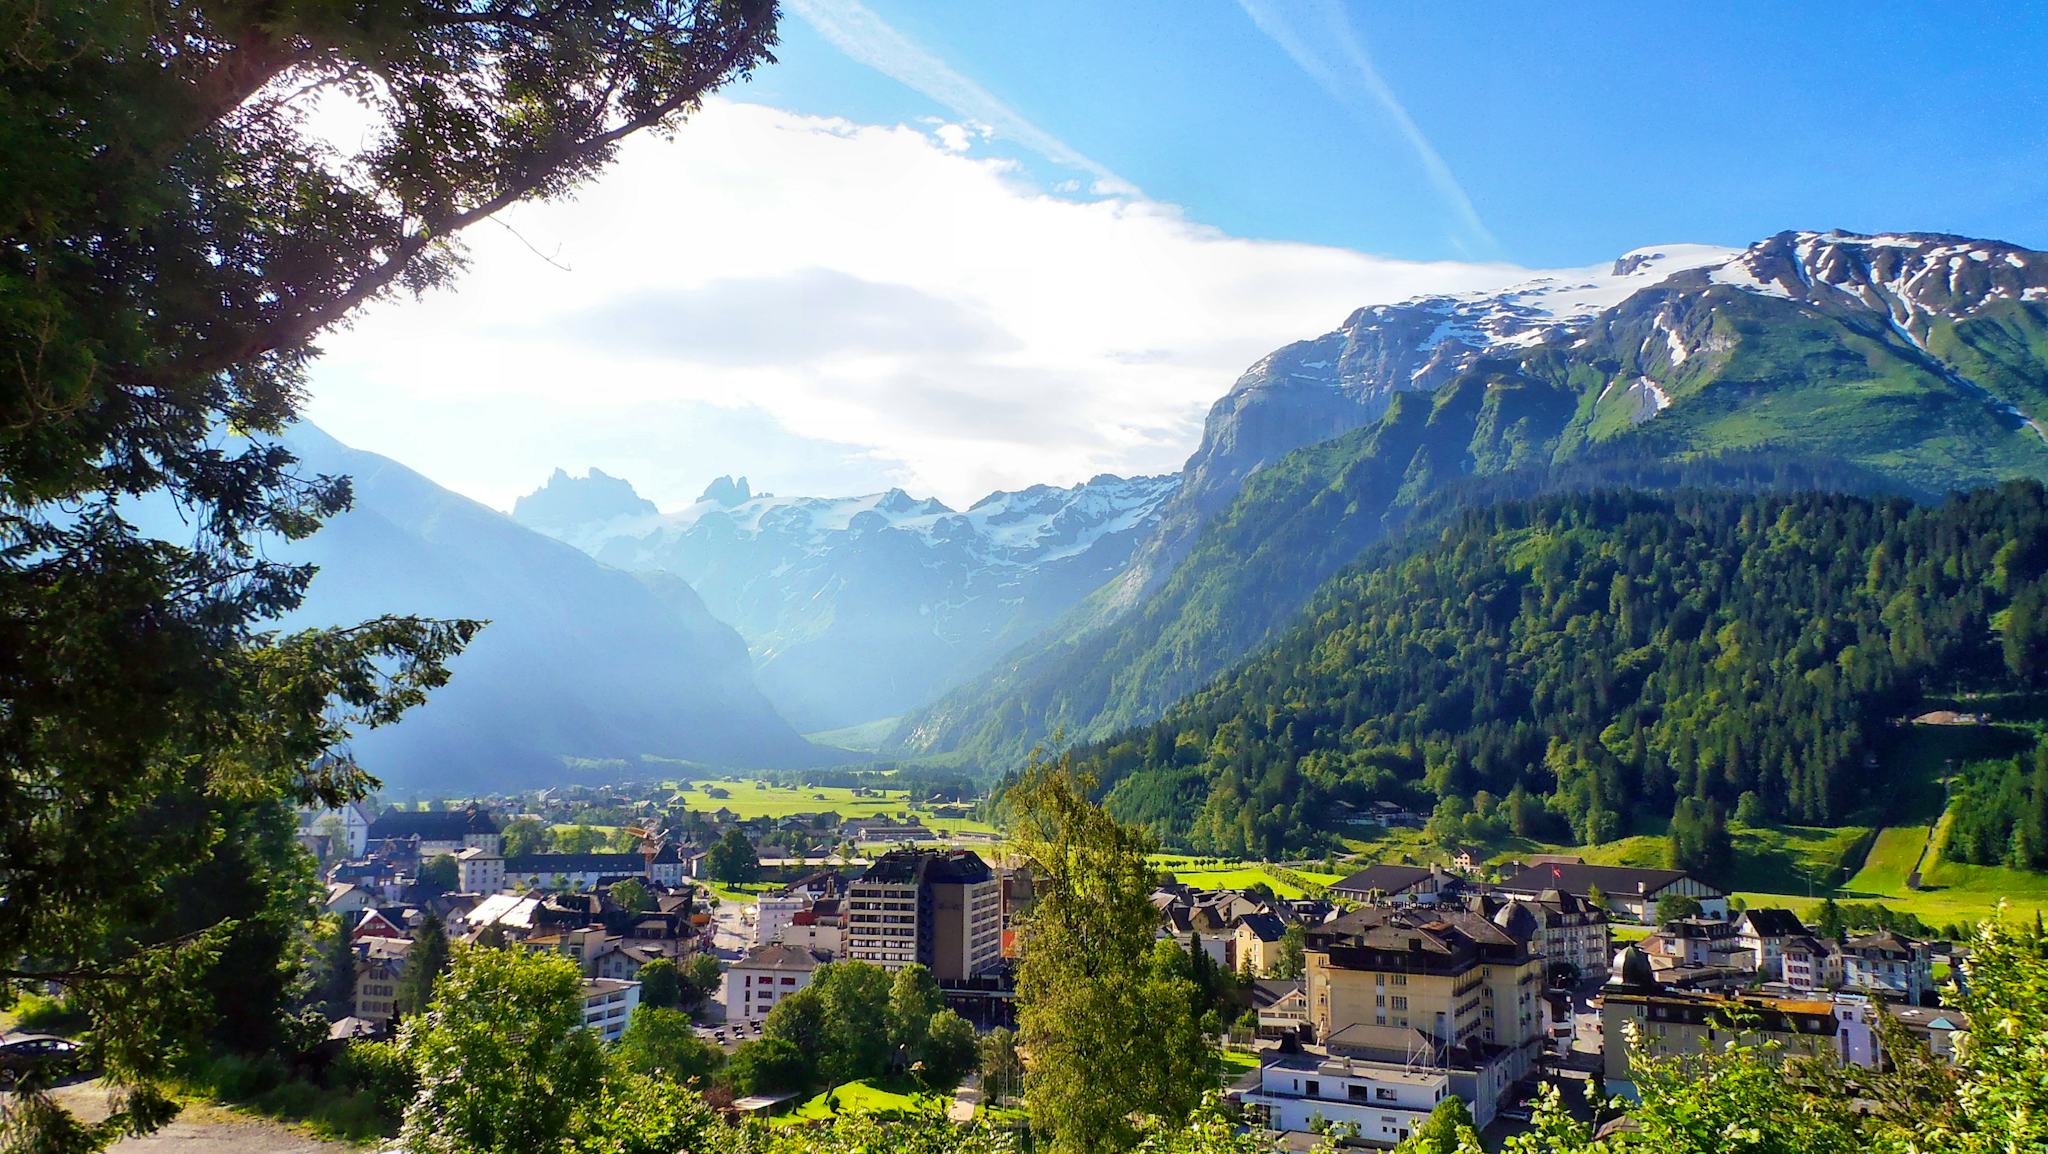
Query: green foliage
(913, 998)
(1110, 1036)
(380, 1070)
(948, 1052)
(700, 979)
(661, 1041)
(439, 876)
(1631, 658)
(660, 986)
(1677, 906)
(1447, 1130)
(523, 836)
(631, 896)
(637, 1113)
(1002, 1069)
(579, 839)
(1291, 958)
(2001, 813)
(731, 859)
(770, 1065)
(425, 961)
(503, 1060)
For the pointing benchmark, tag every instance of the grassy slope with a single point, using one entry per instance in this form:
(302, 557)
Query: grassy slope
(1238, 875)
(867, 1098)
(751, 799)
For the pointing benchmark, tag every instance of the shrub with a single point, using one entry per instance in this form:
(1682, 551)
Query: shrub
(233, 1078)
(46, 1015)
(378, 1070)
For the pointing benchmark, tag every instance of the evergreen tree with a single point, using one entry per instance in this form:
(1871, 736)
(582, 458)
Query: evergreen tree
(425, 961)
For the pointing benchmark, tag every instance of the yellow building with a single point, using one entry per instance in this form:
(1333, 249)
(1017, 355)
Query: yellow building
(1470, 986)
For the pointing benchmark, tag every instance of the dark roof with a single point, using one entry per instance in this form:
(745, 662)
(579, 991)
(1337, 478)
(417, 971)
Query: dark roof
(1773, 923)
(438, 825)
(549, 864)
(1389, 879)
(782, 956)
(1577, 878)
(1272, 991)
(1267, 927)
(906, 866)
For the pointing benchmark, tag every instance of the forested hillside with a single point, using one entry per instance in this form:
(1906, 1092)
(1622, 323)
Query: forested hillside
(1597, 659)
(1916, 359)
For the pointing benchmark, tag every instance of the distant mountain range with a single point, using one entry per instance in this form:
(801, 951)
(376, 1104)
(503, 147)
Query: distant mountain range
(1913, 362)
(859, 608)
(584, 670)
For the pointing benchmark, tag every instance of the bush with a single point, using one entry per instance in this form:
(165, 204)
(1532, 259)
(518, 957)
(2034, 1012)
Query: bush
(46, 1015)
(233, 1078)
(379, 1071)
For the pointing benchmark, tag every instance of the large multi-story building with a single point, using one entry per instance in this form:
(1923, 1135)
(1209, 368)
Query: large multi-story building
(1627, 891)
(1469, 985)
(1569, 933)
(1383, 1102)
(1636, 1013)
(380, 965)
(437, 832)
(608, 1004)
(1888, 966)
(940, 909)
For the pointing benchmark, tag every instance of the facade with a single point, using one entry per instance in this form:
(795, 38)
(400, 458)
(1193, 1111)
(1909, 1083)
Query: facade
(1383, 1102)
(583, 870)
(344, 831)
(1811, 964)
(755, 983)
(1452, 975)
(940, 909)
(479, 871)
(1677, 1023)
(1765, 933)
(380, 963)
(1888, 966)
(775, 912)
(1258, 942)
(1570, 934)
(608, 1004)
(1630, 893)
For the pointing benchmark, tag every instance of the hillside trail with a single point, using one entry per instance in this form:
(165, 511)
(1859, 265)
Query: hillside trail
(203, 1129)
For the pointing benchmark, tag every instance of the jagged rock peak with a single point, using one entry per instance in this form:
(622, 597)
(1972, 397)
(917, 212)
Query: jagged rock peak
(727, 491)
(568, 500)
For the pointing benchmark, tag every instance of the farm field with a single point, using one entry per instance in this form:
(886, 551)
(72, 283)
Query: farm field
(753, 798)
(1204, 873)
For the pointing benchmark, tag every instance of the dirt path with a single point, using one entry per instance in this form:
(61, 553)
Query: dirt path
(202, 1129)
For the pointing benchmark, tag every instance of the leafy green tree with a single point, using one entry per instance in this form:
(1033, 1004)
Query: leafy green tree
(1447, 1130)
(1109, 1038)
(855, 999)
(338, 973)
(425, 961)
(799, 1020)
(1827, 920)
(700, 980)
(638, 1113)
(731, 859)
(1597, 898)
(175, 232)
(1676, 907)
(914, 998)
(504, 1062)
(524, 836)
(438, 876)
(769, 1065)
(1002, 1069)
(660, 985)
(948, 1052)
(629, 895)
(578, 839)
(661, 1041)
(1290, 959)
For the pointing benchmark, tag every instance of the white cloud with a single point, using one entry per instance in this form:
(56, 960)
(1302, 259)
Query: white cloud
(1335, 57)
(828, 305)
(854, 28)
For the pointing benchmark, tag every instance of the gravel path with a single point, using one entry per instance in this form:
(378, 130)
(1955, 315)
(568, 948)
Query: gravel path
(200, 1129)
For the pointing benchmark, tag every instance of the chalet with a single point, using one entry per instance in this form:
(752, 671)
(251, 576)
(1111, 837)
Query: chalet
(1258, 939)
(1282, 1005)
(1467, 859)
(1630, 892)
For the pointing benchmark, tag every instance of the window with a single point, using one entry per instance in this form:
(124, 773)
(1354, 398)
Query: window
(1312, 1088)
(1400, 1003)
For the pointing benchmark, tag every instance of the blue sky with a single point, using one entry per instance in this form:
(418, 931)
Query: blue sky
(960, 247)
(1576, 131)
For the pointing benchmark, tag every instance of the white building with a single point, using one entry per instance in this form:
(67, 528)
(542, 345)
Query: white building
(479, 871)
(775, 912)
(1383, 1101)
(755, 983)
(608, 1004)
(348, 827)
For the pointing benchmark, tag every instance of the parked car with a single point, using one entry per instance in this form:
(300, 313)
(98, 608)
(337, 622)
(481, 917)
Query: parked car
(25, 1054)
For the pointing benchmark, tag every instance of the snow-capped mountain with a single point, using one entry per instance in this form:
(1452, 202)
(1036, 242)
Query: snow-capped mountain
(1316, 389)
(857, 608)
